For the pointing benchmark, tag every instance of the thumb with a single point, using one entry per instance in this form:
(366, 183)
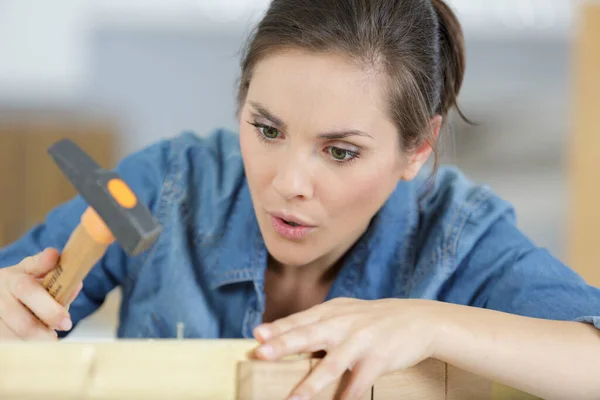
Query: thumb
(42, 263)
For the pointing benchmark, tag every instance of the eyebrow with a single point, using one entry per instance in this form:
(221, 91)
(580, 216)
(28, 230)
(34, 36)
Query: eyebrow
(262, 110)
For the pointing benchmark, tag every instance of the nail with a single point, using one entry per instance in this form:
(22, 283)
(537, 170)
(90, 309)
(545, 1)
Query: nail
(65, 324)
(263, 333)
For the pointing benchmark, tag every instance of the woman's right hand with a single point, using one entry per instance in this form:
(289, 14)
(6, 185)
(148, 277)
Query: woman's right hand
(27, 310)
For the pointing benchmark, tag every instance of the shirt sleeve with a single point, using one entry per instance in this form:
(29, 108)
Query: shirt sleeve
(144, 172)
(506, 271)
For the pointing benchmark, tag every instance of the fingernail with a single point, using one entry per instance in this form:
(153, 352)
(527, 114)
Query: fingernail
(65, 324)
(263, 333)
(266, 350)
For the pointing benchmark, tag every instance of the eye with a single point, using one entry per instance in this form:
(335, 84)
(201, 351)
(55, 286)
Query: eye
(269, 132)
(340, 154)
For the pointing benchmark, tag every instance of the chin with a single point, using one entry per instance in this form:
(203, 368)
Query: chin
(292, 254)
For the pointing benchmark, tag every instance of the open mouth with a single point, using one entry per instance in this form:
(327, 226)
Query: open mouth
(290, 223)
(291, 229)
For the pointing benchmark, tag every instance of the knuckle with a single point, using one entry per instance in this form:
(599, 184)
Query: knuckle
(313, 334)
(22, 285)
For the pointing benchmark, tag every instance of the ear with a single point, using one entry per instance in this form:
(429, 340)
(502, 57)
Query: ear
(418, 157)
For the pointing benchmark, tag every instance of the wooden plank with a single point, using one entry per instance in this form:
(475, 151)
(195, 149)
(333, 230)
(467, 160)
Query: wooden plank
(584, 152)
(40, 371)
(425, 381)
(336, 389)
(203, 369)
(463, 385)
(500, 392)
(258, 380)
(125, 369)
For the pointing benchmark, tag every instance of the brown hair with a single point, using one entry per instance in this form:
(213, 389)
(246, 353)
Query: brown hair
(418, 44)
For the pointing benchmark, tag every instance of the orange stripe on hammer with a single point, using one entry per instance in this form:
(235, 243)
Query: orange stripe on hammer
(122, 193)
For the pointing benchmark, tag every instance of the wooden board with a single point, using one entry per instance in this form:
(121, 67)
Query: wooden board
(202, 369)
(584, 152)
(463, 385)
(425, 381)
(126, 369)
(269, 381)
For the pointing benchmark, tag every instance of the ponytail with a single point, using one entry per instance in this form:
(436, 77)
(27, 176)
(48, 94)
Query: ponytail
(452, 57)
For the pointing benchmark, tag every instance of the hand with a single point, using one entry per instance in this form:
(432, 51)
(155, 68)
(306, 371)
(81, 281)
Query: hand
(369, 338)
(27, 311)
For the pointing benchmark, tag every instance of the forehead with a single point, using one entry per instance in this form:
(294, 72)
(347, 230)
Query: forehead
(326, 86)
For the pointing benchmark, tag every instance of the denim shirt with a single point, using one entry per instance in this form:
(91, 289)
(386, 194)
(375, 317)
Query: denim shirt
(452, 241)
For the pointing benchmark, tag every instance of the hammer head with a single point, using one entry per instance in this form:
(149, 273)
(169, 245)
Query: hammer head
(130, 221)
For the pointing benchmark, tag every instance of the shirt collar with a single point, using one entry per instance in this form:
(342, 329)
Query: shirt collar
(368, 270)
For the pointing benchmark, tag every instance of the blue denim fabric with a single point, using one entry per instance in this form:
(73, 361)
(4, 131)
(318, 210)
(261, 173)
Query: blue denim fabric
(458, 244)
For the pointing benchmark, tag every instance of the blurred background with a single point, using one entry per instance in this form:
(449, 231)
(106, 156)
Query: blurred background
(117, 75)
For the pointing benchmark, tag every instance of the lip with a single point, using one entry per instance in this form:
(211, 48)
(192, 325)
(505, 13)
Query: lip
(290, 232)
(293, 218)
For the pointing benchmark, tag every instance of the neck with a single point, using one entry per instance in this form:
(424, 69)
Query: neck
(320, 271)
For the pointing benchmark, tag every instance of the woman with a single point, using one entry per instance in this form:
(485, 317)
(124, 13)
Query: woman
(317, 229)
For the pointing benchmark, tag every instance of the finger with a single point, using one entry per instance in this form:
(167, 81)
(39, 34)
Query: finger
(42, 263)
(38, 300)
(363, 377)
(23, 323)
(306, 339)
(270, 330)
(328, 370)
(6, 333)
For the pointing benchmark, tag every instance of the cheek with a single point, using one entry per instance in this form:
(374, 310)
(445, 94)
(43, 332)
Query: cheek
(360, 193)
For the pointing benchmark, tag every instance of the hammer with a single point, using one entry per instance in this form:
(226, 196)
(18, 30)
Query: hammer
(114, 213)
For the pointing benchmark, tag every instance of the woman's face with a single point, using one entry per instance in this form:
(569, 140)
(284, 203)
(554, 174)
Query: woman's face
(320, 153)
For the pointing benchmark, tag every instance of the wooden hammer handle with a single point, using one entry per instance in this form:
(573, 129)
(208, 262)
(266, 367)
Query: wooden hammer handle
(82, 251)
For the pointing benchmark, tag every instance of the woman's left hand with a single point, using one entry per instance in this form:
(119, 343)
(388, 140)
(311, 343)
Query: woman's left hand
(368, 337)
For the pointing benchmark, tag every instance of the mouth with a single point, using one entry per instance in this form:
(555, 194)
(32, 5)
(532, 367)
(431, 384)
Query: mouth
(291, 227)
(292, 220)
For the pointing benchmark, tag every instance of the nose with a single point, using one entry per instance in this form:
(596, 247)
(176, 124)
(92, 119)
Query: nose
(293, 179)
